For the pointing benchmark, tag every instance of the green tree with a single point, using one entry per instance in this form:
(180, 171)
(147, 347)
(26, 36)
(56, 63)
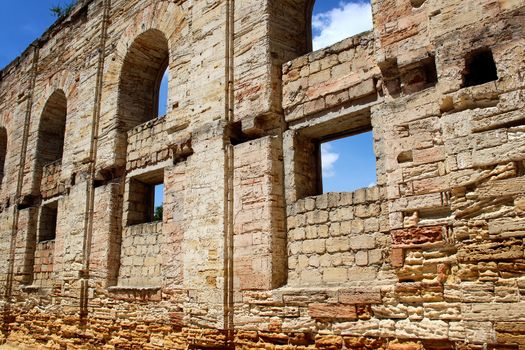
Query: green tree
(159, 211)
(60, 10)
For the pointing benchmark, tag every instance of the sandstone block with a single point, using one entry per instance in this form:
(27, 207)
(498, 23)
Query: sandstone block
(333, 311)
(362, 242)
(335, 275)
(360, 296)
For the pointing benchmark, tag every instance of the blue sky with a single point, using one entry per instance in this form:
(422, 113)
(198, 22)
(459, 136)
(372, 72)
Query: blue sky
(348, 164)
(22, 21)
(335, 20)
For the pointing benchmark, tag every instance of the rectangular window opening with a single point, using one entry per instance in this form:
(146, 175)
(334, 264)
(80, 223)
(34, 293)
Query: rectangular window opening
(146, 198)
(48, 222)
(158, 202)
(480, 68)
(421, 76)
(347, 163)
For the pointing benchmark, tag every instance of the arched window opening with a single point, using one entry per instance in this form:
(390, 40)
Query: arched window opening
(3, 152)
(334, 20)
(51, 130)
(141, 80)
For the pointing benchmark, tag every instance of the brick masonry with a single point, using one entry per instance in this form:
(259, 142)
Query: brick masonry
(250, 254)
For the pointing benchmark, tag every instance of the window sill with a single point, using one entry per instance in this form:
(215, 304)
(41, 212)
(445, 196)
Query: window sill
(145, 224)
(132, 289)
(132, 293)
(35, 289)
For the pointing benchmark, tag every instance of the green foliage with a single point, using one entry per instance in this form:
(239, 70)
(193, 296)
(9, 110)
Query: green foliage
(159, 211)
(60, 10)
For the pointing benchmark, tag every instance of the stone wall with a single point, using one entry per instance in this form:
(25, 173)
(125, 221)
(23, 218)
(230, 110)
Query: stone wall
(43, 269)
(250, 252)
(330, 78)
(337, 239)
(141, 262)
(50, 185)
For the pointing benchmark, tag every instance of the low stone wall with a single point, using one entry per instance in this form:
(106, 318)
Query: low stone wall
(50, 185)
(140, 262)
(43, 268)
(337, 238)
(147, 144)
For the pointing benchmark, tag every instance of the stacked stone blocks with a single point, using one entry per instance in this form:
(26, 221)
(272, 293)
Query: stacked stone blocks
(251, 254)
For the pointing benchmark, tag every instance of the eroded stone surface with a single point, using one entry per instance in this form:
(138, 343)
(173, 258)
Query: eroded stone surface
(250, 254)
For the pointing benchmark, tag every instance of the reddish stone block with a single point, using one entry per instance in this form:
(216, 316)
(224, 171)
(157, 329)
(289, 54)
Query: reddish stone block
(364, 312)
(275, 325)
(404, 346)
(335, 311)
(417, 235)
(364, 343)
(177, 319)
(397, 257)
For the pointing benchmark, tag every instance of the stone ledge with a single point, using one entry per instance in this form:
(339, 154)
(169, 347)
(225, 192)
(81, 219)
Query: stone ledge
(334, 200)
(127, 289)
(35, 289)
(146, 227)
(146, 293)
(150, 124)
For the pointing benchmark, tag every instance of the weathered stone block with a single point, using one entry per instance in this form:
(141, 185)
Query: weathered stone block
(334, 311)
(417, 235)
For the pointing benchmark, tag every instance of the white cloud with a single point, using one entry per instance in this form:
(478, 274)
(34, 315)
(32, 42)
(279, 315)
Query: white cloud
(348, 19)
(328, 159)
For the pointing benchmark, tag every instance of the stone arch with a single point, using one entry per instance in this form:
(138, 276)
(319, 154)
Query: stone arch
(300, 13)
(51, 133)
(138, 88)
(142, 70)
(52, 129)
(166, 18)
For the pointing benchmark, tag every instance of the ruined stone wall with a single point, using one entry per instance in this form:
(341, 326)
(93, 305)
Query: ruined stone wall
(250, 253)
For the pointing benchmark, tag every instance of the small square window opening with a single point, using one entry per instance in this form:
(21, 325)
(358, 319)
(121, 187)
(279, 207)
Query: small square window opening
(480, 68)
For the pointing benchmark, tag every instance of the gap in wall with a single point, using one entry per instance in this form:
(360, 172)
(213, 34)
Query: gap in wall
(163, 95)
(348, 163)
